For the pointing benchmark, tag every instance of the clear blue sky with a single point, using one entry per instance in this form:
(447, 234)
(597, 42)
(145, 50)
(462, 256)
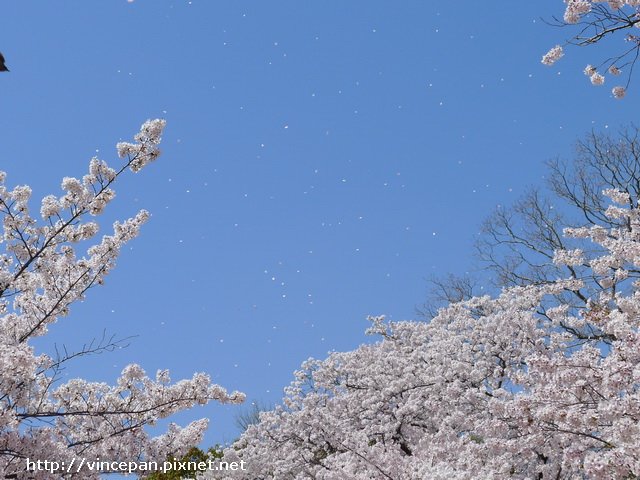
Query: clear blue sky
(321, 160)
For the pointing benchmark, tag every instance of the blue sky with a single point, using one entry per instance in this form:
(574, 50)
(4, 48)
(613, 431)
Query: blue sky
(321, 161)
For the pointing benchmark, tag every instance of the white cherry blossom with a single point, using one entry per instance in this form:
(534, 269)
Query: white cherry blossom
(519, 386)
(41, 276)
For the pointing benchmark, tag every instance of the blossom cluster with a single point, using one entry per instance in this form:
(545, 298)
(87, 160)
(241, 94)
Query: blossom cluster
(553, 55)
(599, 19)
(576, 9)
(518, 386)
(41, 276)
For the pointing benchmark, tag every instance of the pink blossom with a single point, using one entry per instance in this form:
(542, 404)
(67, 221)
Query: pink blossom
(618, 92)
(552, 56)
(597, 79)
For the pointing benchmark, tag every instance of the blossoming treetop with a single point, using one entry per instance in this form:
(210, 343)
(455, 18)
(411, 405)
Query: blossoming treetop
(41, 276)
(596, 20)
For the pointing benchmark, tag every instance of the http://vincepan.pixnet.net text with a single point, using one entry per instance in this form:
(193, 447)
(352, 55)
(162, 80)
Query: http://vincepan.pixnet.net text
(77, 465)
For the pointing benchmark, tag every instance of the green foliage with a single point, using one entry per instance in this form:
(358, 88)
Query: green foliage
(193, 455)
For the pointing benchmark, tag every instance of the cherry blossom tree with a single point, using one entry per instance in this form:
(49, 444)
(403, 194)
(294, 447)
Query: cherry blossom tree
(595, 21)
(517, 243)
(518, 386)
(43, 417)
